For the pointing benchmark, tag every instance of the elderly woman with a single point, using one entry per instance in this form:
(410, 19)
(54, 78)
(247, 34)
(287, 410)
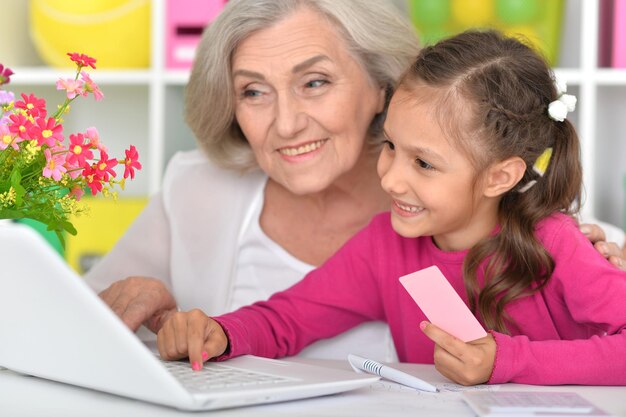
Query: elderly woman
(286, 99)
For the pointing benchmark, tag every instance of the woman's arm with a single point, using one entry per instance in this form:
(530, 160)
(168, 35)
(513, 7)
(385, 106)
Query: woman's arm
(133, 278)
(609, 240)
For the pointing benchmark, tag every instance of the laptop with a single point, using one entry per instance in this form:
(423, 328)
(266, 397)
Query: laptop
(55, 327)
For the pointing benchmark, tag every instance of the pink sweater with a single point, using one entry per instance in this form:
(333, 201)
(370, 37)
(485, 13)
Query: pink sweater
(571, 332)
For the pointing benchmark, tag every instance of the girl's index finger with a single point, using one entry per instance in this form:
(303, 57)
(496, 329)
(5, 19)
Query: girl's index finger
(196, 338)
(195, 342)
(445, 340)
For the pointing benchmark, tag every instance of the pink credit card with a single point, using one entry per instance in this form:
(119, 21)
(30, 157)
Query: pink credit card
(441, 304)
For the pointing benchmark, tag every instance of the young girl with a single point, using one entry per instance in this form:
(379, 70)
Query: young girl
(482, 168)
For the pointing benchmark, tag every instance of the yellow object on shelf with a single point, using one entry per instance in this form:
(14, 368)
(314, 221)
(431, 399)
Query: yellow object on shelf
(539, 21)
(100, 229)
(115, 32)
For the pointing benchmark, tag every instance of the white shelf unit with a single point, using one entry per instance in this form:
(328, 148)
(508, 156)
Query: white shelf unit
(144, 107)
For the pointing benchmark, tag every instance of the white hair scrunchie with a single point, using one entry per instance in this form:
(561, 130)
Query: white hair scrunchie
(565, 103)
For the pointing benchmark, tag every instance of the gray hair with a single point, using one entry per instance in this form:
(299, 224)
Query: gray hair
(375, 32)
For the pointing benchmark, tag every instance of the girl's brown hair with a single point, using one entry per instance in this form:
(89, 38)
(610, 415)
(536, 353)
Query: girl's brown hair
(503, 88)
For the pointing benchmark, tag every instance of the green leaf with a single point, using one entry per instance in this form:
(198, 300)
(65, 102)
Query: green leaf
(61, 238)
(11, 214)
(60, 225)
(16, 179)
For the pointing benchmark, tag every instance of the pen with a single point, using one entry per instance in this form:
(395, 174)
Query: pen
(361, 365)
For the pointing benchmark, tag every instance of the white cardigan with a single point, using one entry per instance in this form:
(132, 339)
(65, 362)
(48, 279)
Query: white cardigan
(188, 236)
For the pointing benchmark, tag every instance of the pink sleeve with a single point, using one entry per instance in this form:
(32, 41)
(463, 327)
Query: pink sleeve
(599, 360)
(591, 294)
(337, 296)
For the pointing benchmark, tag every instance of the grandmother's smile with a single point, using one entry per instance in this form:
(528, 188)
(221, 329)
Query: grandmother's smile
(302, 149)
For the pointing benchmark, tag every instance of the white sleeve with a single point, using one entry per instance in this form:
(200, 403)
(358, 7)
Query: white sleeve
(144, 250)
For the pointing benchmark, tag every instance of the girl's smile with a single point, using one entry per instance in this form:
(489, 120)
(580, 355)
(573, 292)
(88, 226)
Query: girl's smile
(406, 210)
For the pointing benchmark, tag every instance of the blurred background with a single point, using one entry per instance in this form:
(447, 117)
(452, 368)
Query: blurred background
(145, 48)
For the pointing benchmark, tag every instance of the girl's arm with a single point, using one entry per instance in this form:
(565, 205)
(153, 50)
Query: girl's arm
(585, 293)
(339, 295)
(583, 302)
(599, 360)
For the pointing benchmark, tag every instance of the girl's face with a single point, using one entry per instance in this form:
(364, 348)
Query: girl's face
(303, 102)
(432, 183)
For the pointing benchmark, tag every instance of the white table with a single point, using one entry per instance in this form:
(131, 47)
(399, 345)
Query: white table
(22, 396)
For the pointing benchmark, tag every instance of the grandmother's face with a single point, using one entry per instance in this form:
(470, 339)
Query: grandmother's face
(303, 102)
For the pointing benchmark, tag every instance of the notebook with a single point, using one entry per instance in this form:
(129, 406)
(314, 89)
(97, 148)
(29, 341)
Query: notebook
(55, 327)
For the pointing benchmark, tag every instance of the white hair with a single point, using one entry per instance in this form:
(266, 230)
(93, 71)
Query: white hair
(376, 33)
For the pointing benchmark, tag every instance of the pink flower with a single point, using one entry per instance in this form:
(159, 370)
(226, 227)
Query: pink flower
(78, 151)
(47, 132)
(72, 87)
(82, 60)
(131, 162)
(53, 174)
(91, 87)
(33, 106)
(20, 125)
(94, 139)
(54, 165)
(94, 181)
(104, 167)
(5, 74)
(7, 138)
(6, 97)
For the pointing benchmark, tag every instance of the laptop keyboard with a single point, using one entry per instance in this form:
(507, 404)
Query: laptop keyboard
(215, 376)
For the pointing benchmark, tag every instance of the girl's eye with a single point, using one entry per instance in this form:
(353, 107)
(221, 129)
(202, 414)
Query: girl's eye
(389, 144)
(424, 164)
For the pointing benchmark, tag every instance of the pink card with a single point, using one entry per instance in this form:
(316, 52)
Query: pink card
(441, 304)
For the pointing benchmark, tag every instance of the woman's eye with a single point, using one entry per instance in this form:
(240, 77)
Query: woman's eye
(251, 93)
(315, 83)
(424, 164)
(389, 144)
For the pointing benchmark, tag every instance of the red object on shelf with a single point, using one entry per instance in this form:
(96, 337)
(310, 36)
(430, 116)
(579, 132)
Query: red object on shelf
(185, 21)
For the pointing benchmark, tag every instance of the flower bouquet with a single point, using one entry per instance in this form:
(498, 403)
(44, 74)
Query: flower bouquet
(42, 176)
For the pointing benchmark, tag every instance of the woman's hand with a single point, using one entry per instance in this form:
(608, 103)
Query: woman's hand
(464, 363)
(140, 300)
(191, 334)
(610, 250)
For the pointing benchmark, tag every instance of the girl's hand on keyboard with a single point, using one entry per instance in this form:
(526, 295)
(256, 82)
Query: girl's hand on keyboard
(468, 363)
(191, 334)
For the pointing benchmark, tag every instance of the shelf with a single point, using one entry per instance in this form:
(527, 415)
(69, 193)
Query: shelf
(600, 77)
(611, 76)
(176, 77)
(49, 76)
